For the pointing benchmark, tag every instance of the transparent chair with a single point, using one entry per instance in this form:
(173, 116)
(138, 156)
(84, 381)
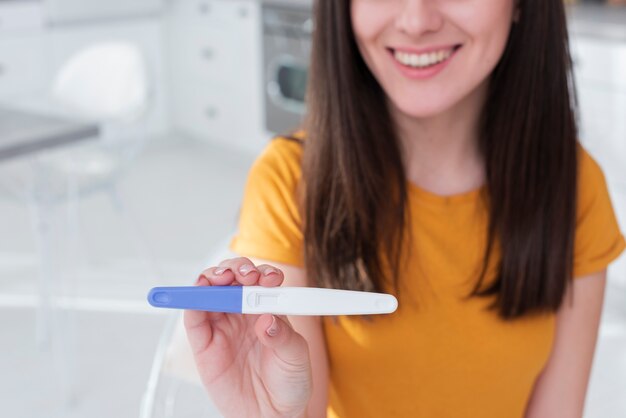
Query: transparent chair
(174, 388)
(107, 83)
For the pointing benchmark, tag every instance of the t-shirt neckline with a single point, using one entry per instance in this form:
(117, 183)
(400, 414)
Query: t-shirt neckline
(425, 195)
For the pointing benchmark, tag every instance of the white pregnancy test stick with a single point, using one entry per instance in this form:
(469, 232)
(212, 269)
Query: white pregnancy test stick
(274, 300)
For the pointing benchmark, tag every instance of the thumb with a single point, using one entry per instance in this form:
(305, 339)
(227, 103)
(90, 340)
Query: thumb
(276, 333)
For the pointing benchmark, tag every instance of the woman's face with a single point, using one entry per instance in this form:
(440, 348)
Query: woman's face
(429, 55)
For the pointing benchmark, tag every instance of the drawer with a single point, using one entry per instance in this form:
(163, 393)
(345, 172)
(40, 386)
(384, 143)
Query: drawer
(218, 113)
(221, 12)
(201, 53)
(22, 65)
(600, 61)
(207, 111)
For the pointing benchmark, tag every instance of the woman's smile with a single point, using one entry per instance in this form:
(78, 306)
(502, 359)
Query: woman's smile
(430, 57)
(423, 63)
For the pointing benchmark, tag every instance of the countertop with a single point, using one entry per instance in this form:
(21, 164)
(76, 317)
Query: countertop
(298, 4)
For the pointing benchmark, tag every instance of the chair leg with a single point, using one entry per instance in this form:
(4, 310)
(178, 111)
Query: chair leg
(148, 404)
(170, 399)
(137, 234)
(41, 215)
(54, 326)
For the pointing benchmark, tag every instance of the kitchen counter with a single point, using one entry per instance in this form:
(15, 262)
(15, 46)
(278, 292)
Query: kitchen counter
(299, 4)
(598, 21)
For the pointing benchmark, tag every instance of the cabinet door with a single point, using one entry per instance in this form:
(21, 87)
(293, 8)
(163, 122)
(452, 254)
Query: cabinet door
(205, 54)
(603, 125)
(211, 12)
(219, 114)
(600, 61)
(22, 66)
(216, 72)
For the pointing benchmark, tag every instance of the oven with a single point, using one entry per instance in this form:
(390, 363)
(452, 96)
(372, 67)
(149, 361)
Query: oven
(287, 29)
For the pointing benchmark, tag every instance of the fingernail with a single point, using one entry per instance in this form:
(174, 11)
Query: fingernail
(246, 269)
(272, 330)
(220, 271)
(270, 270)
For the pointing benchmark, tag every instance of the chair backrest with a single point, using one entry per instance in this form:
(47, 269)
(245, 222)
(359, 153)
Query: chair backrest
(104, 81)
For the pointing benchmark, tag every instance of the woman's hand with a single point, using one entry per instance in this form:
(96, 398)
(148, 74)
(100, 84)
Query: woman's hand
(251, 365)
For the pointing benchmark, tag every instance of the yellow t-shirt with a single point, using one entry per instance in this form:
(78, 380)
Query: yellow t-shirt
(439, 354)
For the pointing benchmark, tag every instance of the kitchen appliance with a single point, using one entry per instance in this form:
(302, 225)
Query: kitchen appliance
(287, 30)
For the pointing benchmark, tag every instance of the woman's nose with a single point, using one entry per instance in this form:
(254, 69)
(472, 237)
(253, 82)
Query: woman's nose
(419, 16)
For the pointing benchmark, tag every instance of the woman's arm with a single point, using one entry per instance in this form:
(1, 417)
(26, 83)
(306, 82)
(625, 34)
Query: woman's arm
(561, 388)
(310, 327)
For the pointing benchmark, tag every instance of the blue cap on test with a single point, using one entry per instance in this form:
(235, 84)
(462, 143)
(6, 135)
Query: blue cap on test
(202, 298)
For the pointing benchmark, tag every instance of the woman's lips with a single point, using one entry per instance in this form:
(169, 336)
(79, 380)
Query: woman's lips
(424, 63)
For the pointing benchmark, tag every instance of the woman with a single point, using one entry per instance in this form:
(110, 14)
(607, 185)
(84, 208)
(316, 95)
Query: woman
(440, 163)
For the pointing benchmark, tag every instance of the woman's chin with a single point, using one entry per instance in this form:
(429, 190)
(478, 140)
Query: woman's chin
(422, 111)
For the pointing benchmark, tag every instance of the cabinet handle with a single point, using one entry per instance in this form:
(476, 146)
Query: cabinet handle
(2, 70)
(207, 53)
(243, 12)
(204, 8)
(211, 112)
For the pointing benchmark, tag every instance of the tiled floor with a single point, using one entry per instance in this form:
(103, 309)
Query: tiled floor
(185, 196)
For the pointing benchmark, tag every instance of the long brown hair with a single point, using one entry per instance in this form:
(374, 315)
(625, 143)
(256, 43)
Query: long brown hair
(355, 210)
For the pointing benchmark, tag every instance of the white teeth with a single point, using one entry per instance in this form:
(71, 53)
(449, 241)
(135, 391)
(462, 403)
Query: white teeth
(422, 60)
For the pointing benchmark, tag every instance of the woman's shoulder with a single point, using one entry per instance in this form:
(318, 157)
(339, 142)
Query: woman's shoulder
(287, 147)
(280, 160)
(586, 163)
(590, 174)
(598, 237)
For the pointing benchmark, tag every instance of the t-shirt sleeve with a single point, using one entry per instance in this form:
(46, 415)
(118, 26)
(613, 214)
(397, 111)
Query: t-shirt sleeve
(598, 240)
(269, 220)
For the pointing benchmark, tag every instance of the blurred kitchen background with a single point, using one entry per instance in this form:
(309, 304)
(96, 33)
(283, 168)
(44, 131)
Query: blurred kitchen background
(166, 103)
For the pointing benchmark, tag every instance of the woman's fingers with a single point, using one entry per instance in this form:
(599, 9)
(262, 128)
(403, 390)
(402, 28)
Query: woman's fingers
(270, 276)
(241, 270)
(235, 271)
(218, 276)
(198, 324)
(276, 333)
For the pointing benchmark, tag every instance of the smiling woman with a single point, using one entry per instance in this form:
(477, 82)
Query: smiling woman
(439, 162)
(471, 34)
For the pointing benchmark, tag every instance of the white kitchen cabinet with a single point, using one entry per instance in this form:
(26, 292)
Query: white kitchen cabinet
(600, 61)
(22, 65)
(202, 54)
(214, 55)
(20, 16)
(600, 71)
(211, 12)
(603, 125)
(64, 11)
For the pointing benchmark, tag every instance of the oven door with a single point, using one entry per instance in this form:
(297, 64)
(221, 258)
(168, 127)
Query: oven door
(286, 51)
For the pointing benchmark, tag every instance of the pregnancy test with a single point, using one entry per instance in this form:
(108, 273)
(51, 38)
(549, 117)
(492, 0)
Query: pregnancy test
(274, 300)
